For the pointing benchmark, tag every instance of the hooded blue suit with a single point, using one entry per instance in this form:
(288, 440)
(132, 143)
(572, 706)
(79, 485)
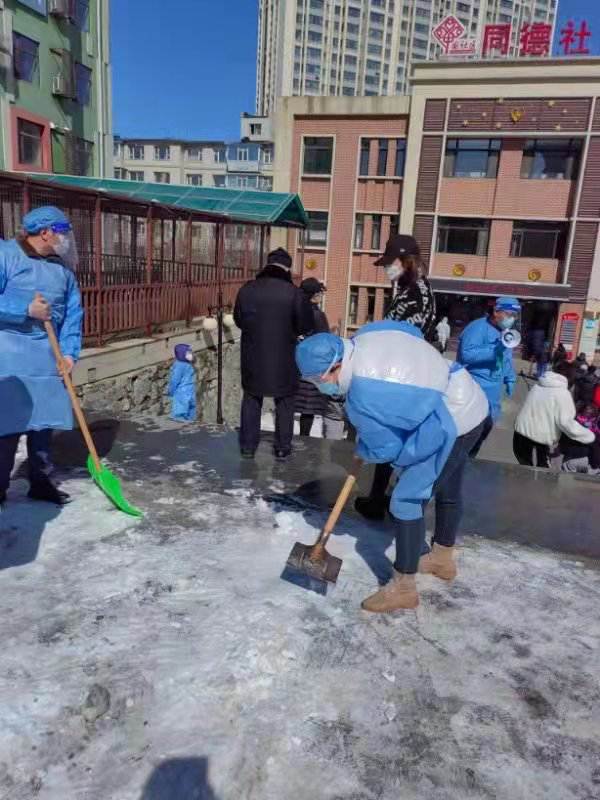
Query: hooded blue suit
(182, 385)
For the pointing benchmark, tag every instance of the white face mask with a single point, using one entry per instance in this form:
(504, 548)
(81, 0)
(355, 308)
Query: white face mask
(189, 356)
(393, 272)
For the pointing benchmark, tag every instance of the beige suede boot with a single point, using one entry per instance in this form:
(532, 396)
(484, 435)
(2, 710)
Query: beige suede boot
(400, 592)
(440, 562)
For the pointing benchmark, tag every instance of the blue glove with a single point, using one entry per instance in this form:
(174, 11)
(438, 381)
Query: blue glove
(510, 388)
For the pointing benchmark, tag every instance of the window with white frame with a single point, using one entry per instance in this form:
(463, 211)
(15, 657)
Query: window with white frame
(193, 153)
(242, 154)
(162, 177)
(162, 152)
(194, 179)
(317, 228)
(136, 152)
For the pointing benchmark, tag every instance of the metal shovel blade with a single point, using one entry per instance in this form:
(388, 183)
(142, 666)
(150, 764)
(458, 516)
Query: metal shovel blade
(314, 561)
(111, 486)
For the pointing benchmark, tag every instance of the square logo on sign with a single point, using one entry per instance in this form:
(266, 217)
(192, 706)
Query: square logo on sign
(448, 31)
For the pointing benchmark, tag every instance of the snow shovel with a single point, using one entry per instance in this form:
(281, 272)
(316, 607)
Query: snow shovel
(108, 482)
(313, 560)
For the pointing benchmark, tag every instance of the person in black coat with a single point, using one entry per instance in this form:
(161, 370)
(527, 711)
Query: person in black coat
(271, 313)
(585, 386)
(309, 401)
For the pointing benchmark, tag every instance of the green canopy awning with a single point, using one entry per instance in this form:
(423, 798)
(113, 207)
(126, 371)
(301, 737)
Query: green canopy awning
(237, 205)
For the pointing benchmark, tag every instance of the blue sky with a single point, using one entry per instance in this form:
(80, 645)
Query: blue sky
(187, 68)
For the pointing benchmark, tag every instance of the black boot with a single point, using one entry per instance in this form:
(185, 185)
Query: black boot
(375, 506)
(247, 454)
(372, 507)
(47, 492)
(2, 497)
(282, 454)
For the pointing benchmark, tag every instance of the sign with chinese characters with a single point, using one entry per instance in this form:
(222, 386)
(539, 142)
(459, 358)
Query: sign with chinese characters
(41, 6)
(534, 39)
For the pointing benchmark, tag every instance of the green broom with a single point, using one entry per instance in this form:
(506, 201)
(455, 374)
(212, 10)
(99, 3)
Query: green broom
(103, 477)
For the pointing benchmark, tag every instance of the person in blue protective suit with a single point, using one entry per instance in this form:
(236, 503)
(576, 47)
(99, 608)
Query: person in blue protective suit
(37, 284)
(182, 385)
(421, 413)
(483, 354)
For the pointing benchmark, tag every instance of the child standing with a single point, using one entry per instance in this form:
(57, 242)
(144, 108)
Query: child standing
(182, 384)
(583, 458)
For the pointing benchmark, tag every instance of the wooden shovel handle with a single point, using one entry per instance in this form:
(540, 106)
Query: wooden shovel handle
(74, 399)
(340, 502)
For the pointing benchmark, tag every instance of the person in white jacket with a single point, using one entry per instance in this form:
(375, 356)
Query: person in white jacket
(548, 411)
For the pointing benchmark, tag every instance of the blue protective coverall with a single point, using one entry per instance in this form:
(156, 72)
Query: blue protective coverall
(33, 395)
(182, 385)
(481, 351)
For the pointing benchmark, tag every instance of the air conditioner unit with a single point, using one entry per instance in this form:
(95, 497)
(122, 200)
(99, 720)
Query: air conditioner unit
(60, 86)
(59, 8)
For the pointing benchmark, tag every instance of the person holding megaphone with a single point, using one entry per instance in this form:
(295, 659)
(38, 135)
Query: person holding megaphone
(485, 350)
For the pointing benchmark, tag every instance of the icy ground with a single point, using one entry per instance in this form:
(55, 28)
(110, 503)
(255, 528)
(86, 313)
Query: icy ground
(226, 683)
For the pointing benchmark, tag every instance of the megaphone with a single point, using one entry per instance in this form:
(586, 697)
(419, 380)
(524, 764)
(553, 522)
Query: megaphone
(511, 339)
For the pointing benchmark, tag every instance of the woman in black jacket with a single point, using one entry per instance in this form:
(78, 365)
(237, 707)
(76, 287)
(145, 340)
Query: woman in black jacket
(413, 302)
(309, 401)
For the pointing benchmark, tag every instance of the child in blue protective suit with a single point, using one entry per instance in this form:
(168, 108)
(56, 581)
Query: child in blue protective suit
(182, 385)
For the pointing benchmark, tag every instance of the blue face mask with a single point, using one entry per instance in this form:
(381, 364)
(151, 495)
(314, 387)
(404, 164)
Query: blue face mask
(507, 323)
(329, 388)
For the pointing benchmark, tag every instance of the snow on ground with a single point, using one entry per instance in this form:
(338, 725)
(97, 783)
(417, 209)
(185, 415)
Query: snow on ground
(226, 682)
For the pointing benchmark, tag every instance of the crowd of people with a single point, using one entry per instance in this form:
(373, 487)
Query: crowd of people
(417, 416)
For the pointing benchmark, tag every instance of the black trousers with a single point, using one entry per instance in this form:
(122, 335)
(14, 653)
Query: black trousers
(38, 456)
(306, 423)
(250, 422)
(524, 448)
(488, 426)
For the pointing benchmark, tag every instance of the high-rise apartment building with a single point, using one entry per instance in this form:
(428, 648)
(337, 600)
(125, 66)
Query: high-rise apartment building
(366, 47)
(55, 86)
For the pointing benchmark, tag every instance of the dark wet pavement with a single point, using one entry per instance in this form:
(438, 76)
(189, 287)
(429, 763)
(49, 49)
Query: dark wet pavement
(534, 507)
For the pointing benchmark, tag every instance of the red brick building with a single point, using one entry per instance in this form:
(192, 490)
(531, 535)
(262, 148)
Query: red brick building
(498, 178)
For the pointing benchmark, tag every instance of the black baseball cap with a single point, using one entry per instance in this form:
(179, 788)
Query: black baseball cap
(398, 247)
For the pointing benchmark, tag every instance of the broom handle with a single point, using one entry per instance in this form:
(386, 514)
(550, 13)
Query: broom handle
(74, 399)
(340, 503)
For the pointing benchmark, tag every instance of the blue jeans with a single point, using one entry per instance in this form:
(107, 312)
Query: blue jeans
(38, 456)
(541, 369)
(410, 535)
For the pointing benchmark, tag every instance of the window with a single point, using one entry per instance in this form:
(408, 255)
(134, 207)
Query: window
(314, 36)
(420, 43)
(353, 306)
(315, 20)
(463, 8)
(116, 148)
(463, 236)
(238, 181)
(83, 84)
(193, 153)
(371, 304)
(219, 180)
(375, 231)
(352, 29)
(120, 174)
(25, 58)
(382, 155)
(400, 158)
(347, 92)
(317, 228)
(538, 240)
(318, 154)
(551, 159)
(313, 52)
(374, 50)
(136, 152)
(136, 175)
(472, 158)
(351, 45)
(359, 231)
(194, 180)
(349, 77)
(351, 60)
(375, 33)
(219, 155)
(394, 225)
(83, 156)
(81, 14)
(162, 152)
(420, 28)
(388, 296)
(266, 184)
(242, 154)
(162, 177)
(377, 18)
(353, 12)
(267, 154)
(365, 149)
(30, 143)
(422, 12)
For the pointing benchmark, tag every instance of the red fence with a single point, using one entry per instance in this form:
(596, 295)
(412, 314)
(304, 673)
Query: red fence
(142, 266)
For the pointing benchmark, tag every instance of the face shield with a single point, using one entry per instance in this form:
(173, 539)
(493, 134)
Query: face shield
(65, 245)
